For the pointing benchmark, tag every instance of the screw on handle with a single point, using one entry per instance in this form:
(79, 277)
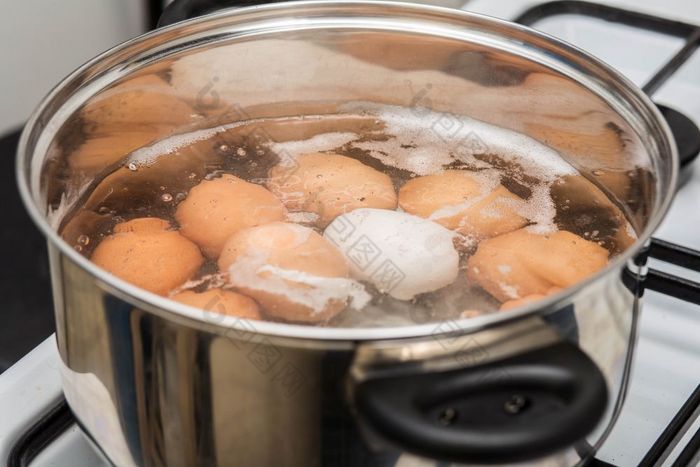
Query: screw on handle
(516, 409)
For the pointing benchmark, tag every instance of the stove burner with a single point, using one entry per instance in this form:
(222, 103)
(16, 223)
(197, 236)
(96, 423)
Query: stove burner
(687, 136)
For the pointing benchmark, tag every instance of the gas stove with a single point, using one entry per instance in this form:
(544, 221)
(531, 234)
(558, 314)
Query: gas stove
(652, 43)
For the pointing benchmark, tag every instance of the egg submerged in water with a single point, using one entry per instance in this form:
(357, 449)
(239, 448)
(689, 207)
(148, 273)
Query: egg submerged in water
(220, 301)
(147, 253)
(216, 209)
(401, 254)
(460, 201)
(329, 185)
(292, 271)
(522, 265)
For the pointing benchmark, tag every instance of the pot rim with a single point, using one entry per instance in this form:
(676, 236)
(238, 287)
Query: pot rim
(221, 324)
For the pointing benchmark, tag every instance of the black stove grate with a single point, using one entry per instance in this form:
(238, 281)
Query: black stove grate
(673, 433)
(689, 291)
(669, 27)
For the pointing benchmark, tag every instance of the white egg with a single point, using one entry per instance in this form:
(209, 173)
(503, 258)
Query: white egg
(401, 254)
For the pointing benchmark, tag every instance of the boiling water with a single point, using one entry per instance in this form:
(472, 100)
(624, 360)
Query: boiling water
(404, 143)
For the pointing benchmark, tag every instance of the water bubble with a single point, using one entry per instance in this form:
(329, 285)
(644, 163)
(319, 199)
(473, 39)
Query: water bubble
(132, 166)
(83, 239)
(241, 152)
(103, 210)
(161, 188)
(166, 197)
(118, 219)
(180, 196)
(598, 173)
(253, 164)
(223, 148)
(260, 152)
(78, 248)
(192, 176)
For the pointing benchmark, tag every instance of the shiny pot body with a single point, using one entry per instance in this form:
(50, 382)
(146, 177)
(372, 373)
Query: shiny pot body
(156, 383)
(152, 390)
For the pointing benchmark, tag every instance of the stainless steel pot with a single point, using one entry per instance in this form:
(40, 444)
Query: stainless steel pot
(153, 382)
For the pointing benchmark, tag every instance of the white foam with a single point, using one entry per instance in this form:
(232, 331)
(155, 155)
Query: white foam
(213, 281)
(318, 143)
(69, 198)
(510, 291)
(302, 217)
(329, 288)
(147, 155)
(504, 269)
(246, 272)
(539, 209)
(424, 141)
(55, 216)
(486, 185)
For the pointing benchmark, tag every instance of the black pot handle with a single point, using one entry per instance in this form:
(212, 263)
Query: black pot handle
(180, 10)
(515, 409)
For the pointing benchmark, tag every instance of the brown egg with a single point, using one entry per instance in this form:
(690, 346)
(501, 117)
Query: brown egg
(220, 301)
(330, 185)
(148, 255)
(216, 209)
(288, 269)
(440, 197)
(520, 263)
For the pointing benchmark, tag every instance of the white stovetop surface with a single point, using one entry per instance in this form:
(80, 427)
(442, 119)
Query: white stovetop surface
(667, 363)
